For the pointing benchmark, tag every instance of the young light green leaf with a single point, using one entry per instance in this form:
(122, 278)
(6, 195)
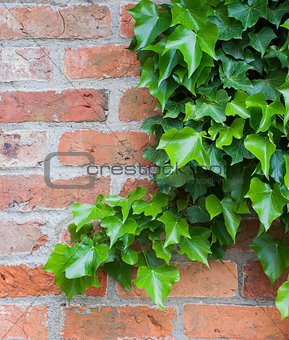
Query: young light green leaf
(129, 256)
(157, 282)
(213, 206)
(163, 252)
(267, 202)
(282, 299)
(286, 177)
(232, 218)
(238, 106)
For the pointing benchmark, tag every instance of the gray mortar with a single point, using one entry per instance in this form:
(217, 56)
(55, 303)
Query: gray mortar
(56, 220)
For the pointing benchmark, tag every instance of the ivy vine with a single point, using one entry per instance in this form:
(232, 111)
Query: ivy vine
(219, 70)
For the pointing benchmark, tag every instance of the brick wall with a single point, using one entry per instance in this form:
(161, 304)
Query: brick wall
(71, 87)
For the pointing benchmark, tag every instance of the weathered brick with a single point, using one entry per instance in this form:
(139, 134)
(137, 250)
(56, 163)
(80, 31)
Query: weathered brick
(20, 63)
(131, 184)
(25, 322)
(197, 280)
(21, 238)
(66, 106)
(113, 148)
(21, 281)
(31, 191)
(126, 322)
(257, 284)
(91, 21)
(137, 104)
(126, 21)
(109, 61)
(234, 322)
(22, 148)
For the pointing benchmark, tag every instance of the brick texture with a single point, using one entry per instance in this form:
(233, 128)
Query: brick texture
(126, 22)
(234, 322)
(22, 148)
(112, 148)
(67, 106)
(137, 104)
(31, 63)
(127, 322)
(29, 237)
(31, 191)
(101, 62)
(25, 322)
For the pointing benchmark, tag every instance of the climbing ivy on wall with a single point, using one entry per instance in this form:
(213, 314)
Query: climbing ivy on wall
(219, 70)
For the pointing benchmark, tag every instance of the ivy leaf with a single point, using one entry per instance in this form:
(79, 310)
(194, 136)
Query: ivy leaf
(261, 40)
(213, 206)
(248, 14)
(262, 148)
(163, 252)
(286, 24)
(197, 248)
(150, 23)
(275, 15)
(149, 78)
(237, 151)
(174, 228)
(207, 37)
(190, 13)
(129, 256)
(158, 201)
(185, 41)
(282, 299)
(121, 271)
(167, 63)
(238, 106)
(232, 218)
(157, 282)
(284, 89)
(277, 167)
(267, 202)
(198, 213)
(274, 256)
(116, 228)
(286, 177)
(84, 213)
(83, 259)
(76, 236)
(217, 163)
(184, 146)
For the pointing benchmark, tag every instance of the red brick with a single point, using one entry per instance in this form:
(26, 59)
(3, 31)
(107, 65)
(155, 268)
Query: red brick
(137, 104)
(25, 322)
(92, 21)
(107, 61)
(131, 184)
(31, 191)
(197, 280)
(21, 238)
(20, 63)
(113, 148)
(257, 284)
(22, 148)
(234, 322)
(126, 21)
(127, 322)
(21, 281)
(51, 106)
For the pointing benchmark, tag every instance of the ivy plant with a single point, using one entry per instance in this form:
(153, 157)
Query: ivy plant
(219, 70)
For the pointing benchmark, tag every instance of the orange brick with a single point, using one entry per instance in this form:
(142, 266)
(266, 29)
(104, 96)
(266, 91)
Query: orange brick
(234, 322)
(126, 21)
(25, 322)
(127, 322)
(69, 105)
(197, 280)
(107, 61)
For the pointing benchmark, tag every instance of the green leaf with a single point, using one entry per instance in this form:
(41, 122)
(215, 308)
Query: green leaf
(174, 228)
(76, 236)
(84, 213)
(262, 148)
(261, 40)
(232, 218)
(197, 248)
(217, 163)
(157, 282)
(267, 202)
(184, 146)
(84, 259)
(121, 271)
(275, 14)
(213, 206)
(237, 151)
(274, 256)
(190, 13)
(129, 256)
(116, 228)
(207, 37)
(286, 177)
(185, 41)
(198, 213)
(248, 14)
(158, 201)
(150, 23)
(282, 299)
(163, 252)
(238, 106)
(284, 89)
(286, 24)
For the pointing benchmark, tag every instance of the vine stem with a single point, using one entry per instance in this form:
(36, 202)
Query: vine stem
(145, 255)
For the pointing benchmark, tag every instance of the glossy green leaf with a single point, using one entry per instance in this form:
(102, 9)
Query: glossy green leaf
(213, 206)
(282, 299)
(232, 218)
(262, 39)
(238, 106)
(163, 252)
(121, 271)
(129, 256)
